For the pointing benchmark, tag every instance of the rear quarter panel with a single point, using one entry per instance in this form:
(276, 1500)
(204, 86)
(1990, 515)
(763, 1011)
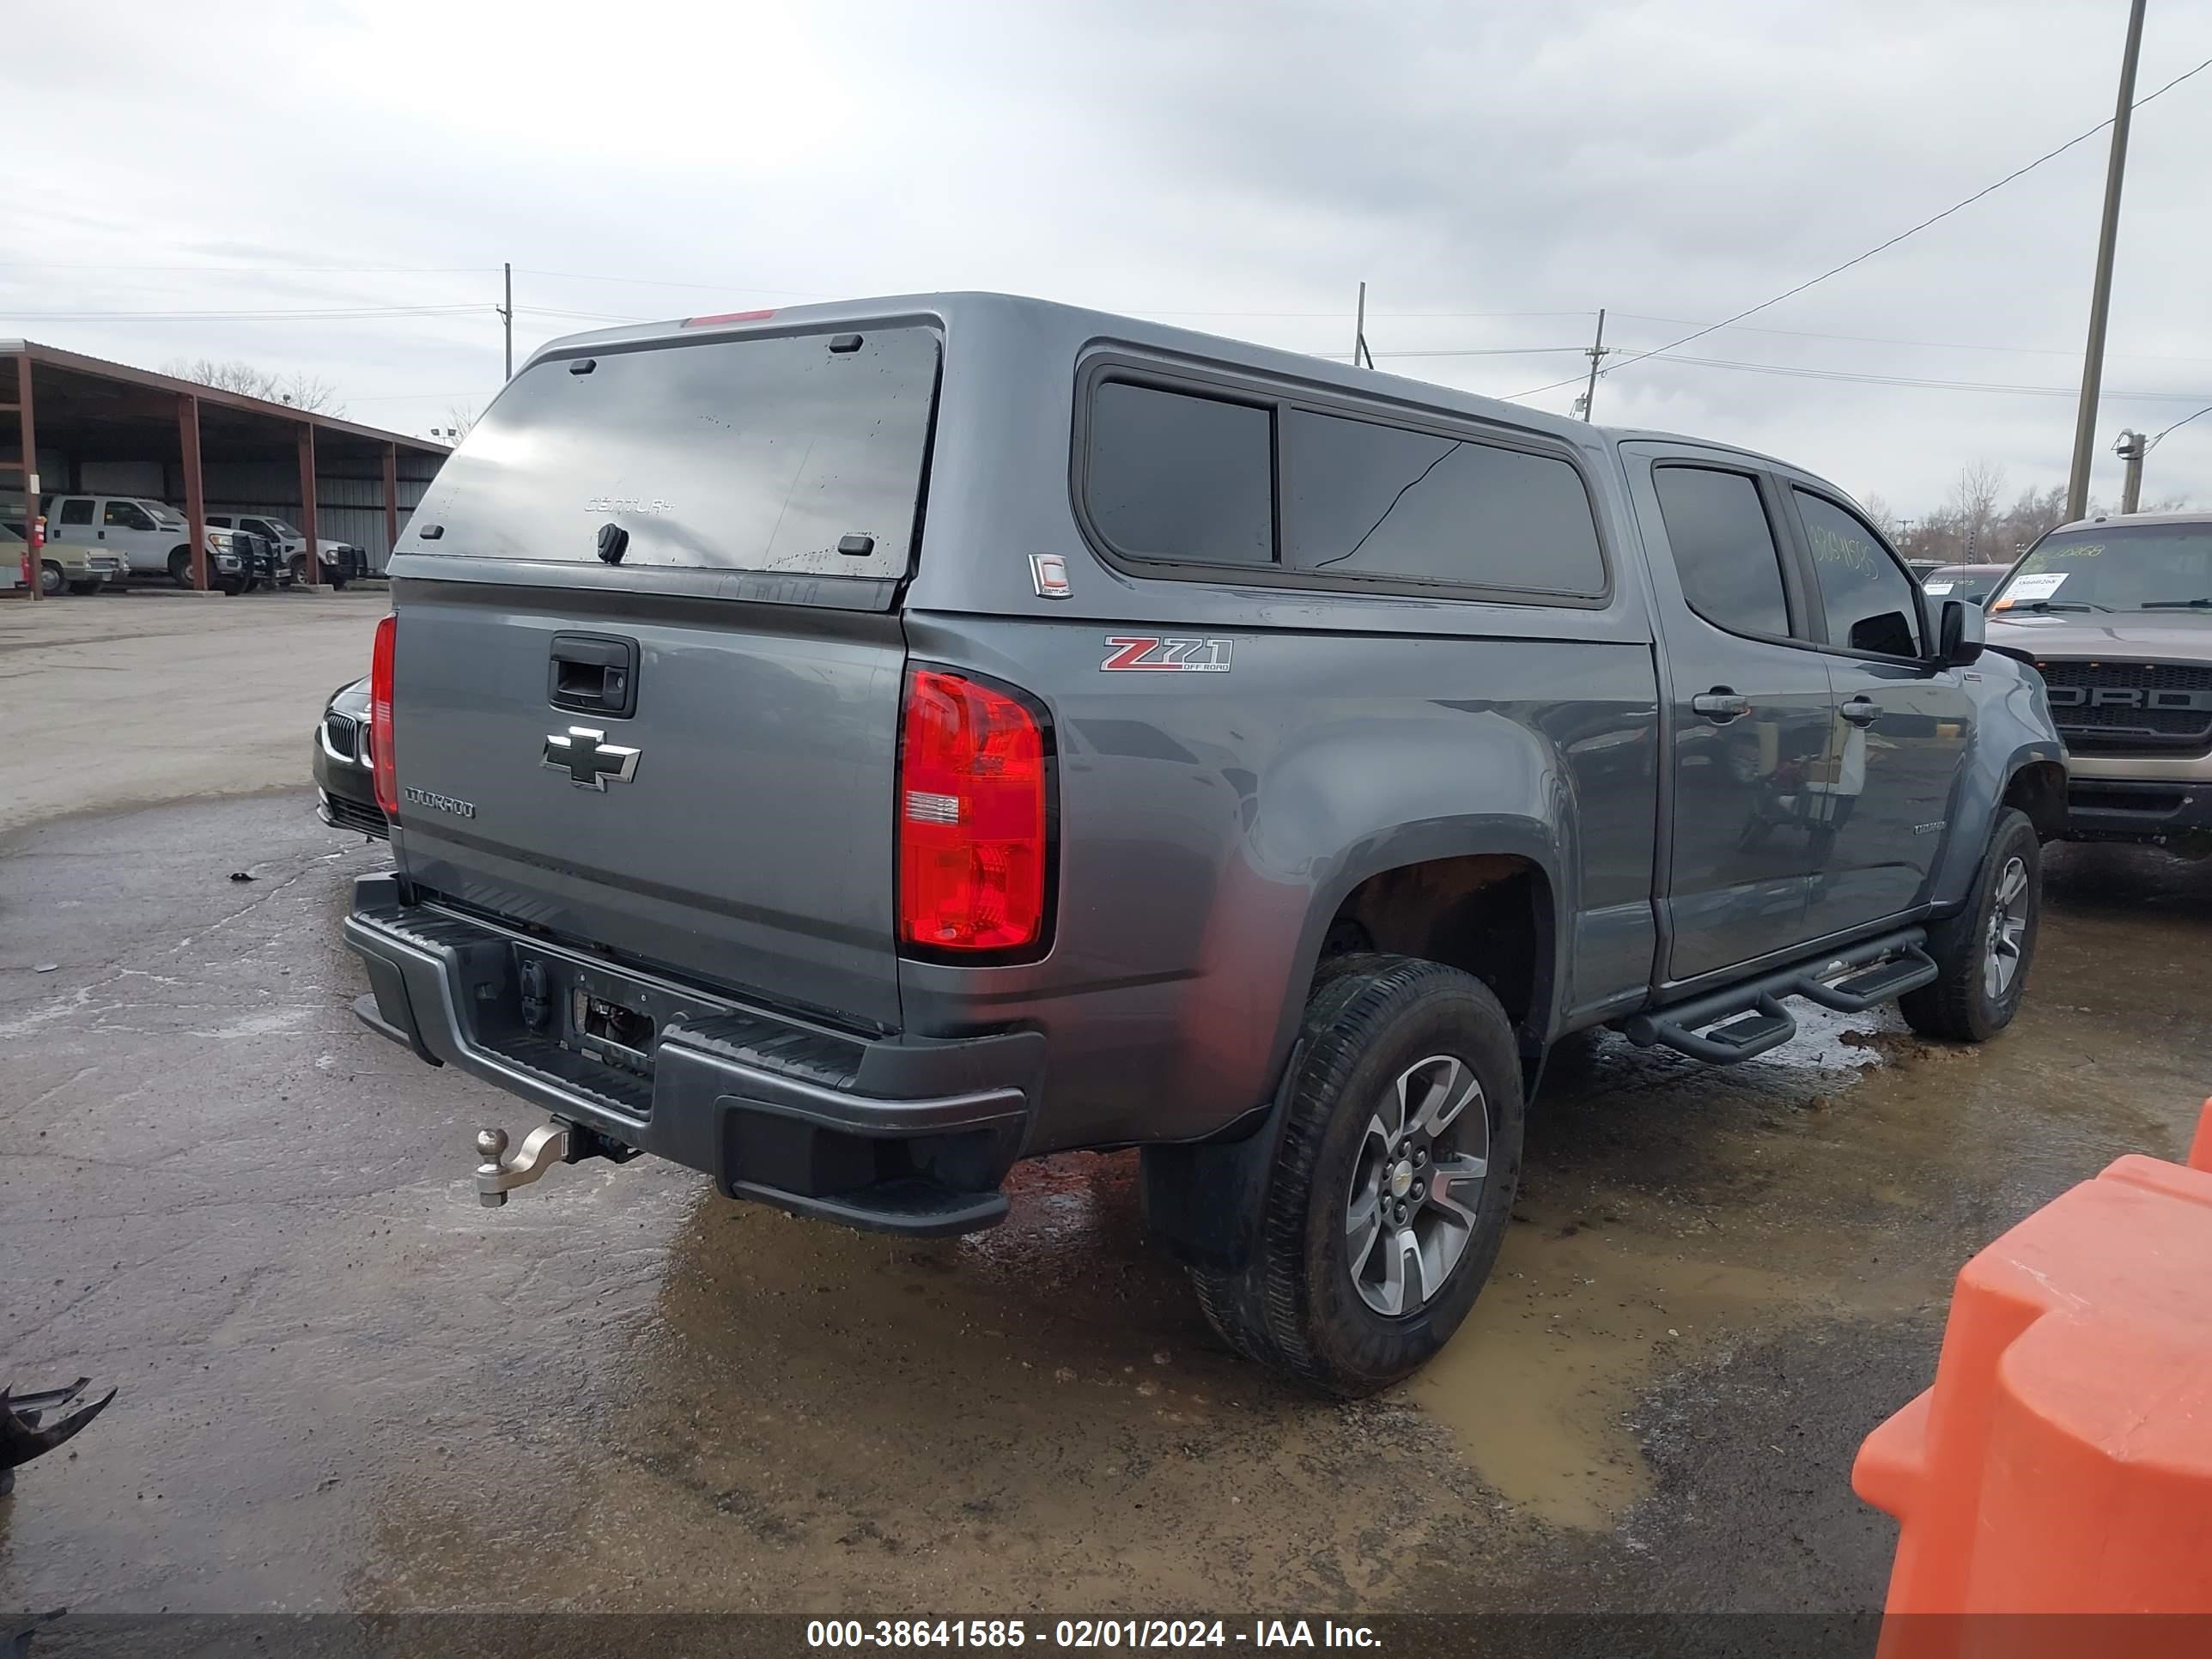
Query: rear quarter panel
(1210, 824)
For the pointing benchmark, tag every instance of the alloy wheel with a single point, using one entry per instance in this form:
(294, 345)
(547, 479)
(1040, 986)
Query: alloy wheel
(1415, 1185)
(2007, 928)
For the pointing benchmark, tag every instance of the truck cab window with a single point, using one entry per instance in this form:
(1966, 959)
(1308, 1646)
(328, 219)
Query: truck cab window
(1724, 549)
(1867, 596)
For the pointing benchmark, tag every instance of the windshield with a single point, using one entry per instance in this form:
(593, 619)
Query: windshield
(800, 453)
(2150, 567)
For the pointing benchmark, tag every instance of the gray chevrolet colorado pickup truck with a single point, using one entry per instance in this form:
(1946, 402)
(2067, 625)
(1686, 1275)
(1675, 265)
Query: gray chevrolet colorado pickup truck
(848, 749)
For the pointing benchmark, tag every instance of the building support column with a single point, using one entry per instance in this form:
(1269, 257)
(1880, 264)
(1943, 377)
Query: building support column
(188, 442)
(390, 502)
(30, 431)
(312, 577)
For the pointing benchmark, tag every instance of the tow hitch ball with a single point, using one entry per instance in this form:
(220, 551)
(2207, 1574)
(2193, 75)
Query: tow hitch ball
(549, 1144)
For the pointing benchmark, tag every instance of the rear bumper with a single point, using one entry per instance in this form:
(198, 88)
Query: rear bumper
(900, 1135)
(2138, 808)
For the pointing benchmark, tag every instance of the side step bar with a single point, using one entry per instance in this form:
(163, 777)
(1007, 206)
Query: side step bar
(1747, 1019)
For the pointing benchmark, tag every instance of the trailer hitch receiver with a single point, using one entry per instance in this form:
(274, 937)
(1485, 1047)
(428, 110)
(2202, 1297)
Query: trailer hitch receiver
(498, 1175)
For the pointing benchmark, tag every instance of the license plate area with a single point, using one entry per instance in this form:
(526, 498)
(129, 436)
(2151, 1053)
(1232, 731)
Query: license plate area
(612, 1032)
(586, 1023)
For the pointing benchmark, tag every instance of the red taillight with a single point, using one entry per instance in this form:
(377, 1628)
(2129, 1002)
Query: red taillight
(973, 830)
(383, 763)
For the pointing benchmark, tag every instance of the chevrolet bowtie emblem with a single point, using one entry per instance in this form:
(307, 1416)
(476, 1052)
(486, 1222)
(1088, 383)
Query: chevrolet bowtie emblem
(589, 759)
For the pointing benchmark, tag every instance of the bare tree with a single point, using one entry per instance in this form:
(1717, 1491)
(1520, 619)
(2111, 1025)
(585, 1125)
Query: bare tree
(1974, 499)
(1883, 517)
(301, 390)
(459, 417)
(2028, 518)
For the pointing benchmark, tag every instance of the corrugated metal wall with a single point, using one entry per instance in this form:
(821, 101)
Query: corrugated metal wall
(347, 508)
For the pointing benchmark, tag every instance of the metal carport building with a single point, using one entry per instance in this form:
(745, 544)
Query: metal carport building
(84, 425)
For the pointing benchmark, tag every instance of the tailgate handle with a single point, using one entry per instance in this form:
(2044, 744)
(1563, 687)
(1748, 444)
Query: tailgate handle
(592, 674)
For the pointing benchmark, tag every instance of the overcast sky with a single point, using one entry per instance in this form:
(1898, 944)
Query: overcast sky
(1496, 173)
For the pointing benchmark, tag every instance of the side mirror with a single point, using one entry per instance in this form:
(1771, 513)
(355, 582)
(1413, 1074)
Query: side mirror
(1960, 633)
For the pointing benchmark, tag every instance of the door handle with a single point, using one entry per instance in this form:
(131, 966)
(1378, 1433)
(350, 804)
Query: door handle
(592, 674)
(1720, 705)
(1861, 711)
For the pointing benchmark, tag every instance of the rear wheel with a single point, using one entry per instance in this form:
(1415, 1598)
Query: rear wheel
(1392, 1187)
(1983, 954)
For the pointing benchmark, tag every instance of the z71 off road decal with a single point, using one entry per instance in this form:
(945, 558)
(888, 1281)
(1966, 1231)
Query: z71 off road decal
(1148, 654)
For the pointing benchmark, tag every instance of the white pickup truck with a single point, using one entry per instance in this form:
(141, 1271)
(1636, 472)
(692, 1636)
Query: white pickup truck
(148, 538)
(339, 560)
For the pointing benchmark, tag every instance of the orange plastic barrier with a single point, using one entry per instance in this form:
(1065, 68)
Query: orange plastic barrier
(2062, 1463)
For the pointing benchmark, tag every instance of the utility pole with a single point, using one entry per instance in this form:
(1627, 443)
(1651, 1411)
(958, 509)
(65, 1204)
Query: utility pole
(1596, 350)
(1359, 333)
(506, 316)
(2093, 364)
(2131, 448)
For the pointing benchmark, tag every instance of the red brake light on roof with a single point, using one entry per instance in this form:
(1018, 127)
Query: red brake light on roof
(383, 762)
(974, 834)
(730, 317)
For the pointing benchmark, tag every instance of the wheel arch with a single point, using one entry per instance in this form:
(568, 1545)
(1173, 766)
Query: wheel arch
(1998, 774)
(2038, 787)
(1441, 889)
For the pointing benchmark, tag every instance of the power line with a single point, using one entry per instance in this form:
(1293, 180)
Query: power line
(334, 313)
(656, 282)
(410, 396)
(1156, 310)
(581, 316)
(1879, 248)
(1882, 339)
(252, 270)
(1469, 351)
(1796, 371)
(2155, 436)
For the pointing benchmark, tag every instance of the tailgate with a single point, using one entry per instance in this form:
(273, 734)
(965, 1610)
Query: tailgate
(699, 783)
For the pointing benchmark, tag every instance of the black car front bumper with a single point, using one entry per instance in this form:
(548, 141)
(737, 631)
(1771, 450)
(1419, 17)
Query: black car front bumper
(345, 786)
(893, 1134)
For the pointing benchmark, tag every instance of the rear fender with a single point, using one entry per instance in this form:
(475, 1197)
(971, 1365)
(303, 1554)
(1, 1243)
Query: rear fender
(1361, 808)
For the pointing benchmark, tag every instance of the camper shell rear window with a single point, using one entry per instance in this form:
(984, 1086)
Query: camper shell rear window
(800, 454)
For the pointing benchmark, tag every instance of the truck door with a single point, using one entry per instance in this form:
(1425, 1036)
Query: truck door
(129, 532)
(1749, 710)
(1902, 723)
(71, 521)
